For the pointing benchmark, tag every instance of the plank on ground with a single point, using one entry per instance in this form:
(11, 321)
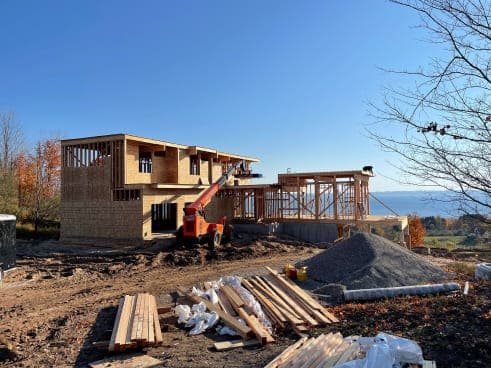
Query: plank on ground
(151, 326)
(281, 305)
(286, 353)
(136, 327)
(112, 341)
(308, 299)
(274, 314)
(299, 299)
(224, 302)
(294, 305)
(261, 333)
(120, 343)
(129, 361)
(156, 322)
(228, 345)
(230, 321)
(145, 318)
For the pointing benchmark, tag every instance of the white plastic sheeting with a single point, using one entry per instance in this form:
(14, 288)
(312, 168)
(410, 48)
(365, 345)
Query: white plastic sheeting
(249, 299)
(483, 271)
(197, 317)
(385, 351)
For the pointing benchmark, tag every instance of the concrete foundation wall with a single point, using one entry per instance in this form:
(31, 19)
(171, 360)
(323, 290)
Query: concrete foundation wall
(308, 232)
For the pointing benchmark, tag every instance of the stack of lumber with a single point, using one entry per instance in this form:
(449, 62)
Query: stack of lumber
(323, 351)
(136, 324)
(286, 304)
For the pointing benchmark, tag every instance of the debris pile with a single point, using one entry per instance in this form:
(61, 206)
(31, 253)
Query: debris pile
(323, 351)
(257, 306)
(331, 350)
(367, 261)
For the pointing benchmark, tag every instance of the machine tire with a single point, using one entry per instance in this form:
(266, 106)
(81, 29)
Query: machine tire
(215, 240)
(228, 233)
(180, 236)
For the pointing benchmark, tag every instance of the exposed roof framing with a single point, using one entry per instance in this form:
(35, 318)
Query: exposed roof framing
(159, 143)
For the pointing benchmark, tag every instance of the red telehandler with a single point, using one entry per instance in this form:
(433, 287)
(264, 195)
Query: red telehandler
(195, 228)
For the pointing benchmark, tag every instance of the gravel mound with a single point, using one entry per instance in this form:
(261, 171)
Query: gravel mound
(367, 261)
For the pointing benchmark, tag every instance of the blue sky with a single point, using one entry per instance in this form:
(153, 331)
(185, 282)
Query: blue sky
(284, 81)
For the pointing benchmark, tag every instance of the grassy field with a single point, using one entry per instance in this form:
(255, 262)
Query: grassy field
(452, 242)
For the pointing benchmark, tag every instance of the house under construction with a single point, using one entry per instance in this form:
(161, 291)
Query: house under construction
(127, 187)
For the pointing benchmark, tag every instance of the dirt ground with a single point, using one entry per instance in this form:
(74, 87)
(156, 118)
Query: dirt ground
(62, 298)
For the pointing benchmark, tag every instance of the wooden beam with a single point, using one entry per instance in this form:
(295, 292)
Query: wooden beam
(230, 321)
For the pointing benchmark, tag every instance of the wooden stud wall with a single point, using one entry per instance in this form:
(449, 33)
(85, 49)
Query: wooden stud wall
(303, 198)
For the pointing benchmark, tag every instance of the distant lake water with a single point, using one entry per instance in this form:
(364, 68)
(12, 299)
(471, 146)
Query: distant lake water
(420, 202)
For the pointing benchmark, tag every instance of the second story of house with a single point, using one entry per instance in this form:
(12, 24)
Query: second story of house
(133, 161)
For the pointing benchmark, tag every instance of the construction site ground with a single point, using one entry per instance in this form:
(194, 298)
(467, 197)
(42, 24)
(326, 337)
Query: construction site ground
(62, 298)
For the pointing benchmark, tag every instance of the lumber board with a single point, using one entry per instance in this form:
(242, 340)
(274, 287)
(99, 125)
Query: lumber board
(145, 318)
(329, 347)
(232, 296)
(128, 342)
(319, 353)
(151, 326)
(330, 361)
(156, 322)
(112, 341)
(347, 354)
(294, 358)
(285, 309)
(303, 294)
(224, 302)
(130, 361)
(123, 324)
(229, 345)
(295, 306)
(305, 353)
(164, 310)
(230, 321)
(135, 335)
(286, 353)
(270, 309)
(257, 328)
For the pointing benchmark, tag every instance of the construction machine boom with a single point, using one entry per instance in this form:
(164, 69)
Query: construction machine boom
(195, 227)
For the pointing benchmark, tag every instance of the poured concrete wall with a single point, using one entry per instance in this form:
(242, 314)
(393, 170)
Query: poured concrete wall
(7, 241)
(308, 232)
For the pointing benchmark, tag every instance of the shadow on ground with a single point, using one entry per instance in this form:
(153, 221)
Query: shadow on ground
(100, 331)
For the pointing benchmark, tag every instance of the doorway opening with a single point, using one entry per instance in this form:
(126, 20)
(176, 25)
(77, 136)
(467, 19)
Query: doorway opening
(164, 217)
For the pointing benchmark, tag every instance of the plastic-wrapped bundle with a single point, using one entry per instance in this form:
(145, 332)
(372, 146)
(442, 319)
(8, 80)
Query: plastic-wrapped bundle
(385, 351)
(483, 271)
(249, 299)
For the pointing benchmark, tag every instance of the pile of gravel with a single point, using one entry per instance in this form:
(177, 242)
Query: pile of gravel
(367, 261)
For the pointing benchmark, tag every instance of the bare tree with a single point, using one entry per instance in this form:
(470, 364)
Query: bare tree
(11, 144)
(443, 134)
(11, 140)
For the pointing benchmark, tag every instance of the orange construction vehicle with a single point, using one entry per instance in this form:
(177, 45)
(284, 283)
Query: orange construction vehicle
(195, 228)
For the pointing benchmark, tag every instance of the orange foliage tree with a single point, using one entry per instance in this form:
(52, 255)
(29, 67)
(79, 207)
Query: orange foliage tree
(417, 230)
(39, 182)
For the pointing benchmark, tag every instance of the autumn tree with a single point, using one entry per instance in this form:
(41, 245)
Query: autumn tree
(417, 231)
(39, 182)
(11, 144)
(440, 126)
